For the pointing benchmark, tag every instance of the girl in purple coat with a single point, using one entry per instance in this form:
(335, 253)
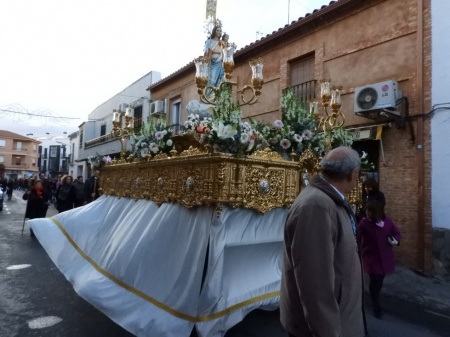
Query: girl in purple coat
(376, 234)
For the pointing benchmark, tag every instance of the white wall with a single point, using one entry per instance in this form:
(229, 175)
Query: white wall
(135, 94)
(440, 122)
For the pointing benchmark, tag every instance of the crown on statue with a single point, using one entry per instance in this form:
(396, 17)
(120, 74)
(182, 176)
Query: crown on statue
(218, 23)
(210, 23)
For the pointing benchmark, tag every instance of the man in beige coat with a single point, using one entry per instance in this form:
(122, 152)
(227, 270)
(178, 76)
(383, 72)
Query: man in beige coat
(321, 283)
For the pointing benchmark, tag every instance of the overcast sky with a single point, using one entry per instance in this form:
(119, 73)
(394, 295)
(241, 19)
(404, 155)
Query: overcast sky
(64, 58)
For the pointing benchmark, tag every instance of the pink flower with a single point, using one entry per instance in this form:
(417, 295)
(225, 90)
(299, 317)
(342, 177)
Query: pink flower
(199, 129)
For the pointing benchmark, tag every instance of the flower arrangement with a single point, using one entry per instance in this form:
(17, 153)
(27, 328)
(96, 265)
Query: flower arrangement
(340, 137)
(97, 161)
(107, 160)
(295, 132)
(225, 131)
(367, 164)
(94, 161)
(155, 137)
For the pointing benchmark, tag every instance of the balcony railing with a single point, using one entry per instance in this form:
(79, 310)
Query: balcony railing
(20, 149)
(305, 91)
(98, 141)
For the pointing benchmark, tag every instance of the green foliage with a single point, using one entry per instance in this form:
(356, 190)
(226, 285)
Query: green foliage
(155, 137)
(226, 132)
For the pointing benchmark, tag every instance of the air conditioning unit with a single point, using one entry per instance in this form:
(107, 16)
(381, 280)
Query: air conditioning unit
(381, 97)
(156, 108)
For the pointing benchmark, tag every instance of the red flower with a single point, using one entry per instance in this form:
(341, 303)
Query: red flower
(199, 129)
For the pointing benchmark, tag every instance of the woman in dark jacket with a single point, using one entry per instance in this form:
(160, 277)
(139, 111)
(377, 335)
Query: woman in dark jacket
(376, 234)
(373, 193)
(370, 193)
(36, 204)
(65, 195)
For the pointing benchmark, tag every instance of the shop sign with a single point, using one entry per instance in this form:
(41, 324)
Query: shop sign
(361, 134)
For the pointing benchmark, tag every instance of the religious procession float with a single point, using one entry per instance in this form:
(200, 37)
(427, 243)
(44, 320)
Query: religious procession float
(189, 231)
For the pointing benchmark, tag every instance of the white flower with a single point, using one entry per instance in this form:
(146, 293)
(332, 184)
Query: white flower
(169, 142)
(224, 131)
(285, 144)
(250, 146)
(307, 135)
(246, 126)
(278, 124)
(159, 135)
(298, 138)
(144, 152)
(245, 138)
(154, 148)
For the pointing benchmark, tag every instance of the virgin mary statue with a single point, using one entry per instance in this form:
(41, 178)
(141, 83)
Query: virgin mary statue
(213, 51)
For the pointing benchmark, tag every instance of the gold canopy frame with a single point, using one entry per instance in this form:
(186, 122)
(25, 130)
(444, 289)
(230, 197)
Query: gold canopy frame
(261, 182)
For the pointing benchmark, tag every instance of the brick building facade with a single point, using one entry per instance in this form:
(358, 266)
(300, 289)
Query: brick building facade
(354, 43)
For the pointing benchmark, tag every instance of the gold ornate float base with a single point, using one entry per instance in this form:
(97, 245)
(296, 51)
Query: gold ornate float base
(262, 181)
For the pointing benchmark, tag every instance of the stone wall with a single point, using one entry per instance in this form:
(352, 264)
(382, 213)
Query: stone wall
(441, 253)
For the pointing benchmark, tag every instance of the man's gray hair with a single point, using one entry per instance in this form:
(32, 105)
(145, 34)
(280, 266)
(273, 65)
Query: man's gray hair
(340, 162)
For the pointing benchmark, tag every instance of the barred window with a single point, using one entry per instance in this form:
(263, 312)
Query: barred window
(302, 81)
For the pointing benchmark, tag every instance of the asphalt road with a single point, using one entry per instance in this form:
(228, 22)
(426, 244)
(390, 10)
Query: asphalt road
(38, 301)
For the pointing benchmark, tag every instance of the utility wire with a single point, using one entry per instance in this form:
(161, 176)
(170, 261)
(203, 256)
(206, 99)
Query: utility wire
(36, 115)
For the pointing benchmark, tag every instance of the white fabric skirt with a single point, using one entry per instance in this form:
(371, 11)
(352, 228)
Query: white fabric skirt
(146, 266)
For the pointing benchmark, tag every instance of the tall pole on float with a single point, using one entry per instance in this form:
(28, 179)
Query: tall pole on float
(211, 6)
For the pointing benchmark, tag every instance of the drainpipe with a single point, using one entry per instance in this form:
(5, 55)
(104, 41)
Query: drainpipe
(419, 142)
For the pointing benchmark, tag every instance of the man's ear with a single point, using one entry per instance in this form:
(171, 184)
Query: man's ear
(355, 172)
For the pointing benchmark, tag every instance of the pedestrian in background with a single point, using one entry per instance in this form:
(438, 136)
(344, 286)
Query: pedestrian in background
(321, 282)
(371, 192)
(37, 205)
(53, 183)
(92, 187)
(9, 188)
(79, 187)
(65, 194)
(376, 235)
(46, 187)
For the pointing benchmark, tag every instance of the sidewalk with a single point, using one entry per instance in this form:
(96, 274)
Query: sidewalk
(431, 293)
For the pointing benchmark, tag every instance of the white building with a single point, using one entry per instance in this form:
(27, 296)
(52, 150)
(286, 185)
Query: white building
(440, 122)
(54, 153)
(94, 136)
